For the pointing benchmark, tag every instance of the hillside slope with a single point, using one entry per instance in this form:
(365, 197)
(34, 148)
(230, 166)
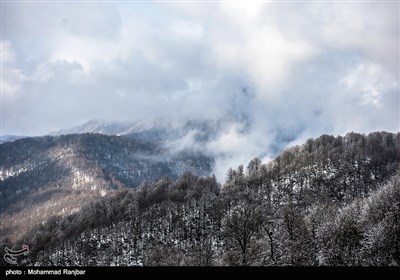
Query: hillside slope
(331, 201)
(45, 176)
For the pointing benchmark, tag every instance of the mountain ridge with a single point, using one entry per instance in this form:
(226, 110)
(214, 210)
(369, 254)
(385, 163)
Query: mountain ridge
(106, 128)
(315, 204)
(57, 172)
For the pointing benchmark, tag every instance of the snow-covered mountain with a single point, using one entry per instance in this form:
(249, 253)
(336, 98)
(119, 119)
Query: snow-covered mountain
(106, 128)
(9, 138)
(147, 130)
(55, 175)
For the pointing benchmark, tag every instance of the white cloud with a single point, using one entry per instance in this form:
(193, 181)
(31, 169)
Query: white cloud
(371, 82)
(228, 142)
(288, 71)
(7, 53)
(12, 76)
(256, 47)
(187, 142)
(187, 30)
(372, 28)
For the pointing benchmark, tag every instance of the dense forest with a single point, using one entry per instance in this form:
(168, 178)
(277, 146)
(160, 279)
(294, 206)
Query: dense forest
(332, 201)
(55, 175)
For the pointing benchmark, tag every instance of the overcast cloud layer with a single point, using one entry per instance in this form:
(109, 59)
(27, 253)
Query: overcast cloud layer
(297, 69)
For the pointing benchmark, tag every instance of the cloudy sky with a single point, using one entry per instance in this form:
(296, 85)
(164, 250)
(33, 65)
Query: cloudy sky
(297, 68)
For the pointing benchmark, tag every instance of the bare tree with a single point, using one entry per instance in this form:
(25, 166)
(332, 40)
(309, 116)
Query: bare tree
(241, 229)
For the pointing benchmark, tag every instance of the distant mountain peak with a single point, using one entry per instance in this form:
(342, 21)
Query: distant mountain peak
(106, 127)
(9, 138)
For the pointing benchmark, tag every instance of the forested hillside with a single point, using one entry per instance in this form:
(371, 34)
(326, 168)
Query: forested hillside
(45, 176)
(331, 201)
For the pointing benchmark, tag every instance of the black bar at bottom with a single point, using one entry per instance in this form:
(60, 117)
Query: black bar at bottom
(14, 272)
